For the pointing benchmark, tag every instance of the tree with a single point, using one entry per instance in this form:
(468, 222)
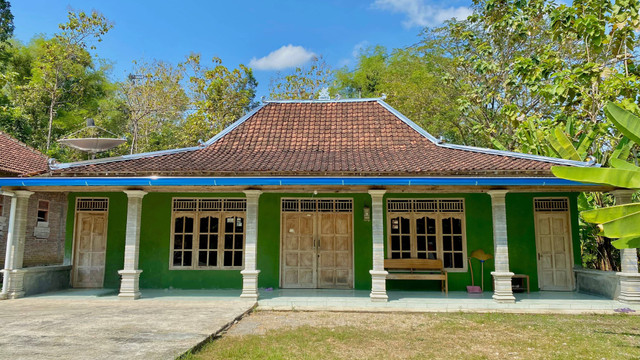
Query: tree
(621, 221)
(303, 82)
(219, 97)
(155, 102)
(58, 69)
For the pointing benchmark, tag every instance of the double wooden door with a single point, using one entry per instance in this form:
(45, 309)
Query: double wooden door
(317, 250)
(90, 249)
(553, 241)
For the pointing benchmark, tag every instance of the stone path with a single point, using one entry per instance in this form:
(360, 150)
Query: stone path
(94, 327)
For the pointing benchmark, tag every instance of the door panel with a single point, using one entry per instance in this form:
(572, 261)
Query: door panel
(554, 251)
(326, 262)
(90, 251)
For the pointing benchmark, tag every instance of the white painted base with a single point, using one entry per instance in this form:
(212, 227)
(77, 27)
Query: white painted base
(129, 284)
(249, 284)
(15, 284)
(629, 287)
(503, 292)
(379, 285)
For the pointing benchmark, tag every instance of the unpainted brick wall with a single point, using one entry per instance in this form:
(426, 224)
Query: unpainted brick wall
(38, 251)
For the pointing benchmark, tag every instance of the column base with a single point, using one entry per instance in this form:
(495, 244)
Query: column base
(15, 284)
(249, 284)
(129, 284)
(379, 285)
(503, 292)
(629, 287)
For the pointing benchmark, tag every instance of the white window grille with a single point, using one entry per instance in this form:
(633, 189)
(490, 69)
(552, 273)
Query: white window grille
(92, 204)
(207, 204)
(426, 205)
(551, 204)
(317, 205)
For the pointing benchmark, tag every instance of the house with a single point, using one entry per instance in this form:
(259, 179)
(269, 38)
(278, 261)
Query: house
(315, 194)
(45, 212)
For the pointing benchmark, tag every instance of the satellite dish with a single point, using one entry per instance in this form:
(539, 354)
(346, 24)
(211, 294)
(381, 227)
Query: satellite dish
(91, 143)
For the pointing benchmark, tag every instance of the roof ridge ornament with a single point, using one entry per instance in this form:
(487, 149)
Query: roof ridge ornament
(324, 94)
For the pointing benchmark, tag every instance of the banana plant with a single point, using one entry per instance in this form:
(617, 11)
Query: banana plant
(620, 221)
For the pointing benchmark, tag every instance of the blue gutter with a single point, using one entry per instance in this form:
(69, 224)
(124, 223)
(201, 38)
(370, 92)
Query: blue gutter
(287, 181)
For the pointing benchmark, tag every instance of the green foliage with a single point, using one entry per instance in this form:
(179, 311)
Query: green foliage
(303, 82)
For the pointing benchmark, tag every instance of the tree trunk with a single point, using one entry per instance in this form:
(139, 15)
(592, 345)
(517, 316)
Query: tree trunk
(51, 110)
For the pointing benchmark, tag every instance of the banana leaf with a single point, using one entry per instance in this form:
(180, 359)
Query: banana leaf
(623, 149)
(615, 177)
(622, 227)
(621, 164)
(625, 121)
(628, 242)
(562, 145)
(603, 215)
(586, 143)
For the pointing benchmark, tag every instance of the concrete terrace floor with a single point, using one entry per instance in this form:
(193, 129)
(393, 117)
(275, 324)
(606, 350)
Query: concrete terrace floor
(455, 301)
(95, 324)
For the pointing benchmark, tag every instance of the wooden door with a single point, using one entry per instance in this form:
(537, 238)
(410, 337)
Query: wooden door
(90, 249)
(553, 242)
(298, 251)
(335, 257)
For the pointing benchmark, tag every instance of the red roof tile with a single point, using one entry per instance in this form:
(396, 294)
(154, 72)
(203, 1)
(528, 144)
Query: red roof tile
(18, 159)
(323, 139)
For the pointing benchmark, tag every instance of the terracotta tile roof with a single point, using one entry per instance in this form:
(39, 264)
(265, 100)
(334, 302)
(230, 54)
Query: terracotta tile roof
(319, 138)
(18, 159)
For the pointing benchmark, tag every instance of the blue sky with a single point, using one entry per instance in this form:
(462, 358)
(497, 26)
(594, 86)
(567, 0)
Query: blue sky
(244, 32)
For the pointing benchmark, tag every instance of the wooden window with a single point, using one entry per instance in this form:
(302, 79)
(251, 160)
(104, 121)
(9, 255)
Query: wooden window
(427, 229)
(208, 233)
(43, 210)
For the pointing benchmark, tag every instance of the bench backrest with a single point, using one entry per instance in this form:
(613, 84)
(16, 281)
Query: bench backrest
(416, 264)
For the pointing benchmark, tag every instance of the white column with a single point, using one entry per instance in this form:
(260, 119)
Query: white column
(13, 275)
(378, 274)
(250, 273)
(629, 276)
(130, 275)
(502, 276)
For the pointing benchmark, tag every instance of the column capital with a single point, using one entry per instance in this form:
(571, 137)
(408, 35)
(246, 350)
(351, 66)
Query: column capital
(496, 194)
(252, 193)
(23, 193)
(135, 193)
(377, 193)
(623, 196)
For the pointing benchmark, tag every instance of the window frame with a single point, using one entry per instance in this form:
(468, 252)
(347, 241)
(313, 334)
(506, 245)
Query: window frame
(197, 214)
(439, 216)
(38, 209)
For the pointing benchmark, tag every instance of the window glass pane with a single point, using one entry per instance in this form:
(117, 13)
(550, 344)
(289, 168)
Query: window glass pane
(431, 226)
(238, 244)
(179, 225)
(457, 243)
(406, 242)
(422, 255)
(405, 226)
(421, 226)
(228, 258)
(202, 258)
(228, 241)
(447, 260)
(228, 224)
(42, 215)
(188, 241)
(457, 226)
(395, 242)
(188, 225)
(213, 241)
(177, 258)
(446, 243)
(213, 258)
(187, 258)
(237, 258)
(204, 224)
(395, 225)
(431, 243)
(177, 242)
(239, 224)
(395, 255)
(421, 243)
(406, 255)
(203, 242)
(213, 224)
(432, 256)
(446, 226)
(457, 261)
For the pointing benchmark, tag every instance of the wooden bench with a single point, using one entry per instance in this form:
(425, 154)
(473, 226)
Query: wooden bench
(417, 269)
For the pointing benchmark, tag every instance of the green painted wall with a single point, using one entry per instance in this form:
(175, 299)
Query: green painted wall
(156, 229)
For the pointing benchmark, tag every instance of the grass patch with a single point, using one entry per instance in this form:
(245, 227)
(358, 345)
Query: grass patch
(321, 335)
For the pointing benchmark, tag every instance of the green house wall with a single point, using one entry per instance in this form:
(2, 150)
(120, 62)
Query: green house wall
(156, 230)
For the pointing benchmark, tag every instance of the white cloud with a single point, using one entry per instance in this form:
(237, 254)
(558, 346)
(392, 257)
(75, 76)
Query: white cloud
(358, 48)
(421, 14)
(285, 57)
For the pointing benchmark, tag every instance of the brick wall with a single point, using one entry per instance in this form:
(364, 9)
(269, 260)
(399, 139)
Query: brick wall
(44, 243)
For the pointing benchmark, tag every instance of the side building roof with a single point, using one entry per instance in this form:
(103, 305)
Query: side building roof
(18, 159)
(359, 137)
